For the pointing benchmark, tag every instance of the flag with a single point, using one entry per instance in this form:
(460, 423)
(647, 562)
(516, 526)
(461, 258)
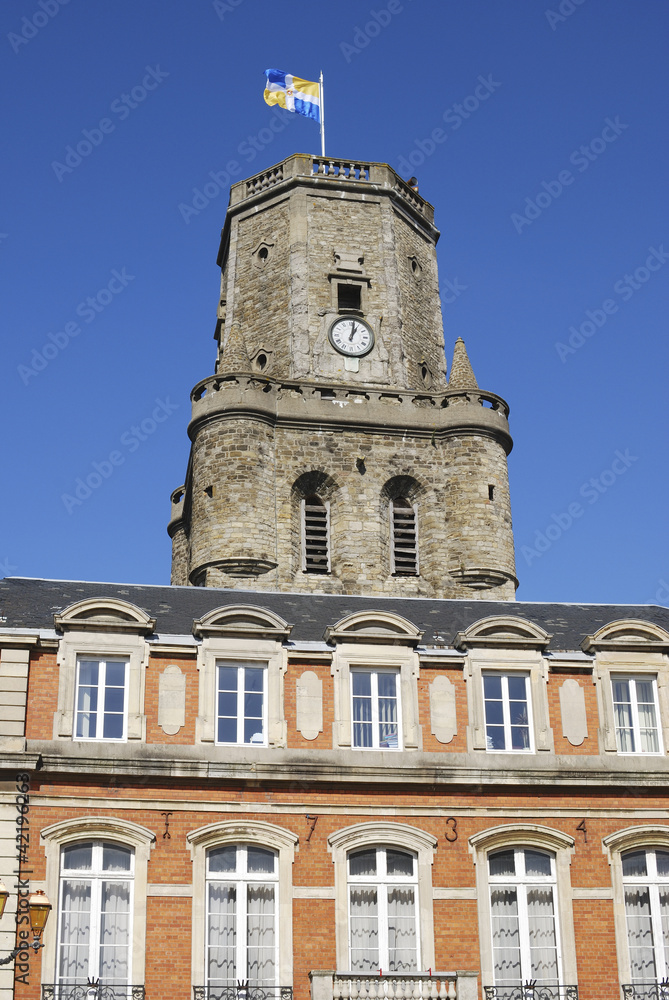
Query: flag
(293, 93)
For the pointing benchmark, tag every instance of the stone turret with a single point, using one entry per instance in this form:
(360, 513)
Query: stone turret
(329, 452)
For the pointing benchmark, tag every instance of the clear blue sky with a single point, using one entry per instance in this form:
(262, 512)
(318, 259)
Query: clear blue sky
(516, 274)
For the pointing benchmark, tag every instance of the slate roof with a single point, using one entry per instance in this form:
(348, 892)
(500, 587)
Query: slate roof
(28, 603)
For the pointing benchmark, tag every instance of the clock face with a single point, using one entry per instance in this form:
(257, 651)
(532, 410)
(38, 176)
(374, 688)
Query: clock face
(351, 336)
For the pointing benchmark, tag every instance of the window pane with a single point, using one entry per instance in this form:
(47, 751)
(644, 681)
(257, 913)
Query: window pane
(399, 863)
(364, 930)
(260, 860)
(227, 703)
(113, 727)
(664, 916)
(115, 674)
(640, 933)
(253, 732)
(634, 864)
(520, 738)
(402, 955)
(502, 863)
(537, 863)
(387, 685)
(261, 936)
(115, 932)
(116, 859)
(254, 679)
(543, 944)
(518, 713)
(662, 859)
(505, 936)
(362, 682)
(222, 934)
(494, 713)
(77, 857)
(494, 736)
(75, 929)
(517, 688)
(492, 685)
(114, 699)
(227, 731)
(362, 863)
(227, 678)
(88, 672)
(223, 859)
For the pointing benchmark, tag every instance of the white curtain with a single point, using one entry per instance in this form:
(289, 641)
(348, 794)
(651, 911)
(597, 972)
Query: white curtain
(387, 688)
(664, 911)
(222, 936)
(640, 933)
(75, 932)
(261, 936)
(402, 955)
(505, 936)
(364, 929)
(115, 932)
(543, 943)
(647, 725)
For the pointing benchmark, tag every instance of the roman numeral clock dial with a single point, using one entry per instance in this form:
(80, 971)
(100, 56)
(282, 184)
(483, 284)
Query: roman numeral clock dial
(351, 337)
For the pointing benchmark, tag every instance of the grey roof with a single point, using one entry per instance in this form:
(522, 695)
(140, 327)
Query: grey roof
(28, 603)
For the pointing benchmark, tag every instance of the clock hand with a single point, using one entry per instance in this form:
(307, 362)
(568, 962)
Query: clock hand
(352, 330)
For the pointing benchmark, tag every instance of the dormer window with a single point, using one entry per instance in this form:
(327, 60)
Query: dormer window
(404, 538)
(315, 535)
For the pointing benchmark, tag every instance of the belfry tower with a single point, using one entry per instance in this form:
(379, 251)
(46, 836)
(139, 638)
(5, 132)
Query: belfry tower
(330, 454)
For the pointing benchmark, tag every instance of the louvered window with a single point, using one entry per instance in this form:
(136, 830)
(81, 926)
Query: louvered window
(404, 538)
(315, 535)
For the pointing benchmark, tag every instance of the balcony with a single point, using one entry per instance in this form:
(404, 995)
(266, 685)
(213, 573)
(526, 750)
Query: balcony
(646, 991)
(328, 985)
(91, 990)
(531, 992)
(242, 991)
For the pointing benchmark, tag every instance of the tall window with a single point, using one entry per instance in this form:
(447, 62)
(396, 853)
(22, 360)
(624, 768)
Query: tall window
(636, 715)
(507, 711)
(101, 699)
(523, 913)
(315, 535)
(646, 884)
(383, 891)
(375, 709)
(95, 906)
(242, 936)
(242, 703)
(403, 538)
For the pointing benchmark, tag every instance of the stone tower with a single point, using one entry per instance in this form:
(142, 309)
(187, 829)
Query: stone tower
(329, 452)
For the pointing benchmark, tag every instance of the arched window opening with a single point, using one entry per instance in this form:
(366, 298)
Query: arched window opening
(646, 885)
(242, 906)
(315, 535)
(404, 538)
(383, 910)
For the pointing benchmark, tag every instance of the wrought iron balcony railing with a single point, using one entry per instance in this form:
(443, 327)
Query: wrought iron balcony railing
(243, 991)
(530, 991)
(646, 991)
(91, 990)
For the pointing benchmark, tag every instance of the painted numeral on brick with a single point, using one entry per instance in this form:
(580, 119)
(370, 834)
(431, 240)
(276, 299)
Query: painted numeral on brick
(451, 833)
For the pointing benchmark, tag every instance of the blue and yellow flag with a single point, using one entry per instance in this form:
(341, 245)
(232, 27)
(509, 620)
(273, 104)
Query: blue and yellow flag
(293, 93)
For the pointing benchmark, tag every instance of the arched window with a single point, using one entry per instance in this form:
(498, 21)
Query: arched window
(525, 939)
(95, 908)
(646, 887)
(315, 535)
(403, 537)
(383, 905)
(242, 935)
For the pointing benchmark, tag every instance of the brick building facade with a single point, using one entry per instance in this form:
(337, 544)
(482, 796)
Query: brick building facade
(335, 759)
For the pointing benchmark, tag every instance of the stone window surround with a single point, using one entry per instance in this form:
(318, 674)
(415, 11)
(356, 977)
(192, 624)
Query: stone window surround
(383, 834)
(651, 664)
(266, 835)
(527, 661)
(102, 645)
(613, 846)
(216, 649)
(109, 828)
(532, 836)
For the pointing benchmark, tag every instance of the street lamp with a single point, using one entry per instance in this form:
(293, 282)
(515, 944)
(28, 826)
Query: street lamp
(39, 908)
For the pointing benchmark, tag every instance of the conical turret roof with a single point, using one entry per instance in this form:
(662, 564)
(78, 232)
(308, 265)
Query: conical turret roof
(235, 357)
(462, 373)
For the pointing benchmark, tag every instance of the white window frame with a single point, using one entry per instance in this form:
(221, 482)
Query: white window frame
(96, 876)
(303, 533)
(405, 838)
(268, 836)
(541, 838)
(632, 679)
(504, 676)
(374, 674)
(241, 666)
(383, 882)
(241, 881)
(522, 883)
(629, 663)
(110, 829)
(393, 567)
(101, 688)
(652, 882)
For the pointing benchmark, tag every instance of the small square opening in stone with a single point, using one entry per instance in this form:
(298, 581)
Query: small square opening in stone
(349, 298)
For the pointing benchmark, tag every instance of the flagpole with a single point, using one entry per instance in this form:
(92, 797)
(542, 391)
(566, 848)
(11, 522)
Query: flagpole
(320, 95)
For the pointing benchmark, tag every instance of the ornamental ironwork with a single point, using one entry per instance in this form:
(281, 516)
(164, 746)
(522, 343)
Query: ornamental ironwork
(91, 990)
(243, 991)
(531, 991)
(646, 991)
